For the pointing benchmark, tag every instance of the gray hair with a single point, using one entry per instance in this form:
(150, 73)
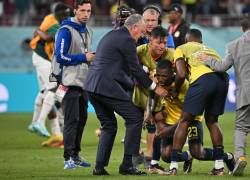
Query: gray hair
(152, 12)
(133, 19)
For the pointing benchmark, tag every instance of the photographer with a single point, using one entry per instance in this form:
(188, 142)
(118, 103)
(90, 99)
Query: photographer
(122, 14)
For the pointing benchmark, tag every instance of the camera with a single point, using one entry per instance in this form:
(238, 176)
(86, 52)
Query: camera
(123, 13)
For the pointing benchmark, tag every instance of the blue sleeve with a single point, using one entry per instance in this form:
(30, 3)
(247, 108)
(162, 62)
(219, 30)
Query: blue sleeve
(62, 46)
(142, 40)
(170, 41)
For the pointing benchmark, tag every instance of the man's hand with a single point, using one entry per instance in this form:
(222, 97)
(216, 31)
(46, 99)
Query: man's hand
(90, 56)
(173, 94)
(202, 57)
(160, 91)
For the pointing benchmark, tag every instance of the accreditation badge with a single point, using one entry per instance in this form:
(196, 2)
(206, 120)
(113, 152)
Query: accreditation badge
(177, 34)
(60, 92)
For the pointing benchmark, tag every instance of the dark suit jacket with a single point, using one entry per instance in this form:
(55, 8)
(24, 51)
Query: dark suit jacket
(116, 62)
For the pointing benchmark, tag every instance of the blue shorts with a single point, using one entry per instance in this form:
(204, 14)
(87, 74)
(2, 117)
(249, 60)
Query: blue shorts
(195, 134)
(208, 93)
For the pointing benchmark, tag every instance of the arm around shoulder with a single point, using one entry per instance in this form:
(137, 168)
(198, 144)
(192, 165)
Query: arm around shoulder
(223, 65)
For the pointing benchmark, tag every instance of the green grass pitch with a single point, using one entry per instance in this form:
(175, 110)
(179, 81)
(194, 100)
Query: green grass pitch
(22, 157)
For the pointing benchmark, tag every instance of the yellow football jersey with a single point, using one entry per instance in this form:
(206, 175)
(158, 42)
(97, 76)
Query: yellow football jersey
(140, 94)
(47, 23)
(189, 52)
(172, 108)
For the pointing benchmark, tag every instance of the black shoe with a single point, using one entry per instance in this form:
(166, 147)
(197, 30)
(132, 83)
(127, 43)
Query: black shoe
(147, 162)
(187, 166)
(230, 163)
(137, 160)
(130, 171)
(100, 172)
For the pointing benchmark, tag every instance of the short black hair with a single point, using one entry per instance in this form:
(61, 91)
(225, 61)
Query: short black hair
(245, 23)
(165, 64)
(196, 33)
(61, 7)
(159, 31)
(81, 2)
(62, 11)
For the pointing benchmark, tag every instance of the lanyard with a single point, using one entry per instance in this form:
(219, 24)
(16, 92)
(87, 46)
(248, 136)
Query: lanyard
(84, 40)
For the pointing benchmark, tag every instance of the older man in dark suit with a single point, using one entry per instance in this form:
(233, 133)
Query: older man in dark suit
(109, 85)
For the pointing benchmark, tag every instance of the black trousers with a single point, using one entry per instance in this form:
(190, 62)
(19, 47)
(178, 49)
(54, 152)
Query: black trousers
(74, 104)
(105, 109)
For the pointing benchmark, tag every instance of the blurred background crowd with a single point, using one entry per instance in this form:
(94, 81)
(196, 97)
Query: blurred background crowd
(204, 12)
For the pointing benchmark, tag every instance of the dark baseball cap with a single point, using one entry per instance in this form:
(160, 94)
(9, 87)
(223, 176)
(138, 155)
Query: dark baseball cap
(174, 7)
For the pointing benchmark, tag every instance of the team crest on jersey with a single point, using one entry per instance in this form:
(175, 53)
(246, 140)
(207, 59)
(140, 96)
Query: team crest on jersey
(177, 34)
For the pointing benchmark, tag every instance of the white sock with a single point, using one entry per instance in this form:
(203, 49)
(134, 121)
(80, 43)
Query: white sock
(174, 164)
(37, 107)
(154, 162)
(48, 103)
(54, 125)
(218, 164)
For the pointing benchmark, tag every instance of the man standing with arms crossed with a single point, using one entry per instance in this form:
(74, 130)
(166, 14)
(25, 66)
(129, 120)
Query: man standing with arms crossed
(73, 53)
(237, 55)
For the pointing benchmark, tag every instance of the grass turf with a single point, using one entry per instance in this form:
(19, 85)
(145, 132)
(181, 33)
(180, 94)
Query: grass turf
(22, 157)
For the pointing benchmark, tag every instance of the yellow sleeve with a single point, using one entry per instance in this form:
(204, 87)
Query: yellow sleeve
(169, 55)
(47, 22)
(139, 50)
(178, 54)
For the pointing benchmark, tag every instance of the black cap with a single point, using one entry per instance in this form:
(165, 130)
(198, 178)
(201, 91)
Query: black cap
(175, 7)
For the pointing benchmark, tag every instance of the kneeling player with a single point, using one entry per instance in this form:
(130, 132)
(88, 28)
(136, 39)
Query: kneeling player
(166, 123)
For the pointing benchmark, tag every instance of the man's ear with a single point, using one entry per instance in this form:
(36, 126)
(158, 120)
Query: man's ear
(74, 11)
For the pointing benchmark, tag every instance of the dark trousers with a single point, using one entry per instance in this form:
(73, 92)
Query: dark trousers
(105, 108)
(74, 104)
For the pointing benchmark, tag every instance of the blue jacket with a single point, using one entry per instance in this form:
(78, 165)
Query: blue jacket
(63, 42)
